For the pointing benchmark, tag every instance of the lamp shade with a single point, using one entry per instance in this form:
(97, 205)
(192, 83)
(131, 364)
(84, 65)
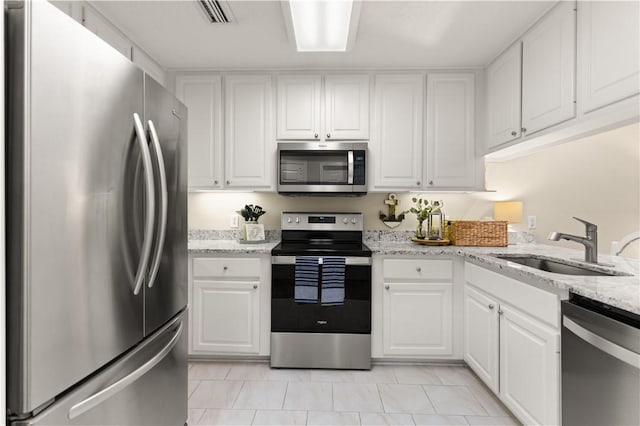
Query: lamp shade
(510, 211)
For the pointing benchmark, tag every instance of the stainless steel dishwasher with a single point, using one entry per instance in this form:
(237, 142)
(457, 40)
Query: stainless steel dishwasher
(600, 364)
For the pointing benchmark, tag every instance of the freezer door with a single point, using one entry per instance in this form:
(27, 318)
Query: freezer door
(166, 122)
(72, 255)
(147, 387)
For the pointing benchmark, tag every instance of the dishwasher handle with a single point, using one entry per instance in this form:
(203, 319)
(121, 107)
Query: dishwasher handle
(613, 349)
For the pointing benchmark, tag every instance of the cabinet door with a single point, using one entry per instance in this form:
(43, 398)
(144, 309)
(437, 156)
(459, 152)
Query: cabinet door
(249, 149)
(529, 368)
(504, 97)
(396, 154)
(548, 70)
(225, 317)
(481, 335)
(609, 44)
(298, 107)
(346, 107)
(451, 154)
(203, 97)
(417, 319)
(99, 25)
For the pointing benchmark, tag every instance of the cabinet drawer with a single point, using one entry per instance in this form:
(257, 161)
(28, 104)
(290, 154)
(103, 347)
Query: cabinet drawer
(226, 267)
(418, 269)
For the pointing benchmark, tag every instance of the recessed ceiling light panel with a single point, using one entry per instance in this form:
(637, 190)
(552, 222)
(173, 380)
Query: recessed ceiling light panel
(321, 25)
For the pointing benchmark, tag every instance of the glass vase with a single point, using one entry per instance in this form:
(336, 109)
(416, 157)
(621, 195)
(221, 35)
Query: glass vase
(420, 233)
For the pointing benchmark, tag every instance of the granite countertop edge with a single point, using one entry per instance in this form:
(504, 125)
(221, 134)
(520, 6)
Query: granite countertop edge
(620, 291)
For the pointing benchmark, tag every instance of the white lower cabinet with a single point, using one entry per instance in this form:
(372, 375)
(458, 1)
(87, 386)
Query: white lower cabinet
(414, 313)
(226, 316)
(512, 342)
(229, 305)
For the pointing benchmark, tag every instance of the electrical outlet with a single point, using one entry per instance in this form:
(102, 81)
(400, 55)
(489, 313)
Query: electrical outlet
(532, 222)
(234, 221)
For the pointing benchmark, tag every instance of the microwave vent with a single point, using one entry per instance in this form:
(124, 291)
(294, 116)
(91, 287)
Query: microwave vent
(218, 12)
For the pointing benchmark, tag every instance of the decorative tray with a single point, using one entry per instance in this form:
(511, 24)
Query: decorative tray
(427, 242)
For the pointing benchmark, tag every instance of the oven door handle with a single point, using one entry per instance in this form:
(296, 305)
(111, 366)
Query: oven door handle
(291, 260)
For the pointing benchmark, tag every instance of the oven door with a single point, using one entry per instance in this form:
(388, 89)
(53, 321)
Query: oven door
(321, 168)
(289, 316)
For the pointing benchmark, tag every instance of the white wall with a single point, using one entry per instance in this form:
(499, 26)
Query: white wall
(596, 178)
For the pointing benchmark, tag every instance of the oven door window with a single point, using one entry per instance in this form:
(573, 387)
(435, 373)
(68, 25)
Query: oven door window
(314, 168)
(353, 316)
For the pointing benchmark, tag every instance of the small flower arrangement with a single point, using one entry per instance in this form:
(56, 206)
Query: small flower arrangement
(422, 209)
(251, 213)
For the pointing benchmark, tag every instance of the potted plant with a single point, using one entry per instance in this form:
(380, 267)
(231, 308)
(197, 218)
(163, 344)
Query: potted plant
(422, 209)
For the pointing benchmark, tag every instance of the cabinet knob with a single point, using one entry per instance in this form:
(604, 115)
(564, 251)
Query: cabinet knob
(315, 135)
(430, 182)
(224, 268)
(215, 181)
(524, 129)
(500, 312)
(418, 183)
(328, 135)
(514, 133)
(386, 287)
(255, 286)
(418, 269)
(491, 306)
(228, 182)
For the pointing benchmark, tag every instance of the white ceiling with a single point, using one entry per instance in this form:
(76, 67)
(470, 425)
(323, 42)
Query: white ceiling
(395, 34)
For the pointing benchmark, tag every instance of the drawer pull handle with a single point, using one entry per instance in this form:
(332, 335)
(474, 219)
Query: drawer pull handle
(255, 286)
(418, 269)
(490, 306)
(224, 268)
(386, 287)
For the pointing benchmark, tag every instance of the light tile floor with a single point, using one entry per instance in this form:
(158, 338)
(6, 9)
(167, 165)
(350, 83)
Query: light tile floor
(246, 393)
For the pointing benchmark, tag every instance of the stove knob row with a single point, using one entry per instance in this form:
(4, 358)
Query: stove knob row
(290, 220)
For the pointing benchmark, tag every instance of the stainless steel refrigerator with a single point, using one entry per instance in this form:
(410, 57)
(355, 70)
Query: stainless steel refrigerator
(96, 231)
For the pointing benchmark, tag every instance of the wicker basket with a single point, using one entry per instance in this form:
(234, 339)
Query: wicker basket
(479, 233)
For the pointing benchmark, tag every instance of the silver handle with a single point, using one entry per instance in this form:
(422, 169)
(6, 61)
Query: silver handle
(328, 135)
(589, 225)
(418, 269)
(616, 351)
(106, 393)
(418, 183)
(255, 286)
(350, 167)
(224, 268)
(514, 133)
(151, 205)
(315, 135)
(500, 312)
(155, 263)
(215, 181)
(291, 260)
(228, 182)
(491, 306)
(386, 287)
(430, 182)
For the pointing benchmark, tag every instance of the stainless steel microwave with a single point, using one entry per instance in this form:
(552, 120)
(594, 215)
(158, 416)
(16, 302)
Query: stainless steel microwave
(315, 168)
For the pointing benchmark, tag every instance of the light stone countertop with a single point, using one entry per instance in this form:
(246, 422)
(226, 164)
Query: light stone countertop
(619, 291)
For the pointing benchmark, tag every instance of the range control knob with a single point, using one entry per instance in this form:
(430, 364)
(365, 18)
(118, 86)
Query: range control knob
(297, 220)
(354, 220)
(289, 220)
(345, 220)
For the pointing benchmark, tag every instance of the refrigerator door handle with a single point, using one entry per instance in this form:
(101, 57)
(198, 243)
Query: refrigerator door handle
(150, 205)
(155, 264)
(106, 393)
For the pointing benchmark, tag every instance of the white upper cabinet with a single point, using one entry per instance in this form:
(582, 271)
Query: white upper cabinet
(249, 146)
(202, 94)
(549, 70)
(346, 107)
(341, 114)
(396, 145)
(299, 107)
(609, 52)
(504, 97)
(451, 157)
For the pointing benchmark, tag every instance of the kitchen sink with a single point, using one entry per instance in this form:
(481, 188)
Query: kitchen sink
(556, 267)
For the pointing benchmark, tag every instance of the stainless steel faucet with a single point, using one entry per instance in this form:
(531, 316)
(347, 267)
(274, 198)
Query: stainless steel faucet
(590, 242)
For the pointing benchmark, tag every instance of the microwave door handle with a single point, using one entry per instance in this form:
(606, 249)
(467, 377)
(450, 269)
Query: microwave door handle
(350, 167)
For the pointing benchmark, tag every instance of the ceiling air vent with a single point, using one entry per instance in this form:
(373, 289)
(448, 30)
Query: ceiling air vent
(216, 11)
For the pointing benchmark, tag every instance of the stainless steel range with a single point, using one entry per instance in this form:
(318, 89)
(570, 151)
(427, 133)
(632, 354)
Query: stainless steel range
(321, 293)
